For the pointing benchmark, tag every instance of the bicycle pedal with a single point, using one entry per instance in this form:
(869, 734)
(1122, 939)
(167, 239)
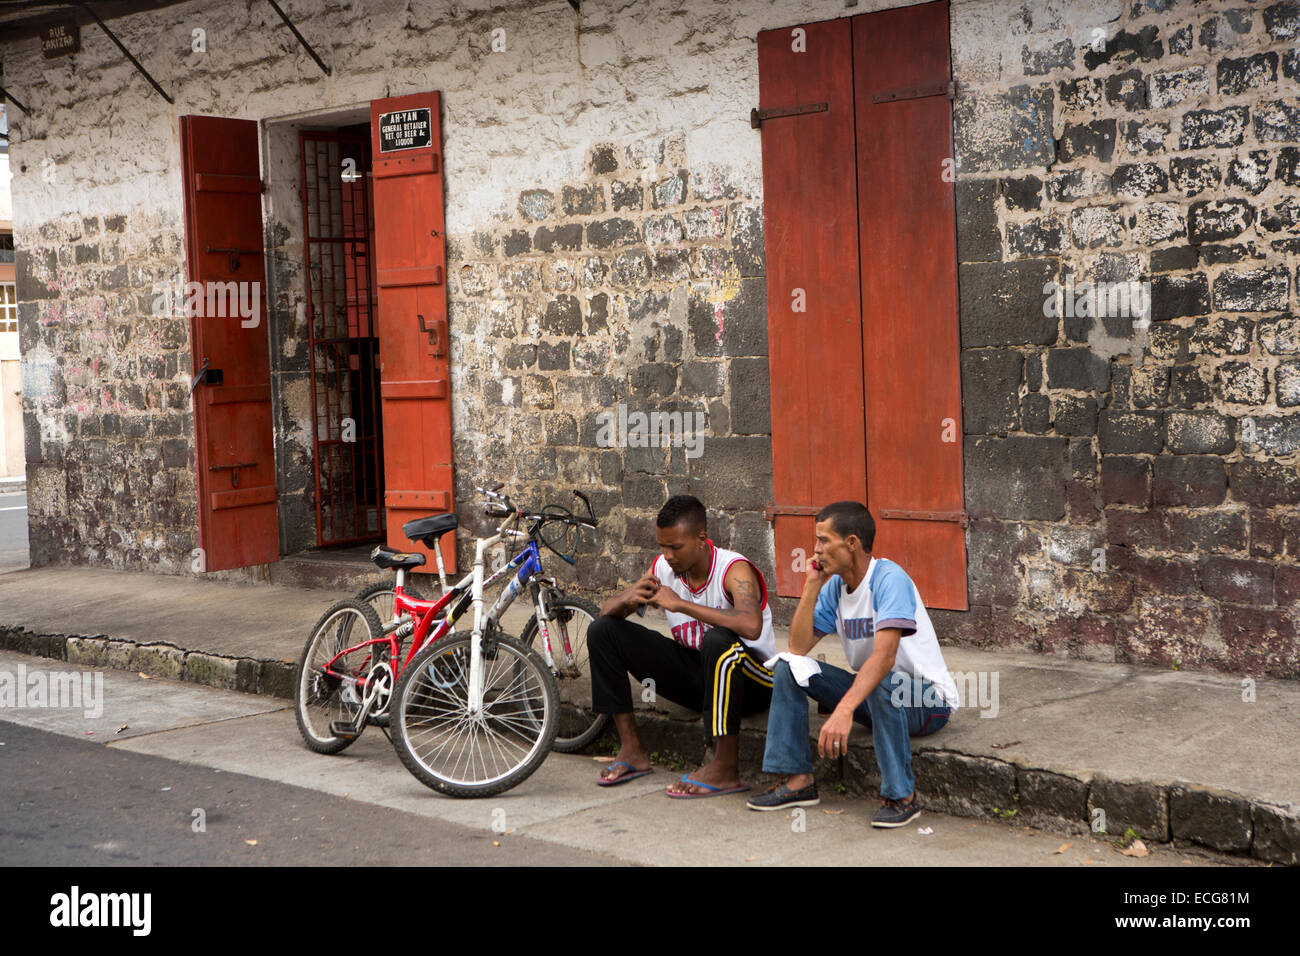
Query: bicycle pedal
(344, 730)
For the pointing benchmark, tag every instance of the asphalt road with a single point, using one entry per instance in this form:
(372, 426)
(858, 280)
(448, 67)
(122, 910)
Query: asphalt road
(13, 531)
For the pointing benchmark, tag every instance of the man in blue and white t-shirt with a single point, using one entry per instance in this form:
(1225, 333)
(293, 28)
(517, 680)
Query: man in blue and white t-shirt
(901, 686)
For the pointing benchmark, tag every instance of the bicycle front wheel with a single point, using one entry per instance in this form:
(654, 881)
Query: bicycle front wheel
(474, 755)
(570, 618)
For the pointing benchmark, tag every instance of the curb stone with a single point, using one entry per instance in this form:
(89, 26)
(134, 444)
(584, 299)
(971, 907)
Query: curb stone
(969, 785)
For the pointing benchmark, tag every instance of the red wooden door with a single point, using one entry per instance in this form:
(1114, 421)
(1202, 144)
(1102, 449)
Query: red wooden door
(228, 335)
(811, 238)
(410, 261)
(865, 384)
(910, 334)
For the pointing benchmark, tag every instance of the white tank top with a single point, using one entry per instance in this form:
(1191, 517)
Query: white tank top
(687, 631)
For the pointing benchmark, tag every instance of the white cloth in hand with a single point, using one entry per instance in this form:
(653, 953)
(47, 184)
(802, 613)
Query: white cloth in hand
(802, 668)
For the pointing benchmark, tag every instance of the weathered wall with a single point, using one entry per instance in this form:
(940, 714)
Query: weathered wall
(1153, 471)
(605, 247)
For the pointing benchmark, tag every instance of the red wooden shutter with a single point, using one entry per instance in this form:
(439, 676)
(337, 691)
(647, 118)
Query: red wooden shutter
(910, 333)
(410, 260)
(232, 417)
(811, 238)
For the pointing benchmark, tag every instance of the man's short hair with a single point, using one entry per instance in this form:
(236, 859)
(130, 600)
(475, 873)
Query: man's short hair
(684, 510)
(850, 517)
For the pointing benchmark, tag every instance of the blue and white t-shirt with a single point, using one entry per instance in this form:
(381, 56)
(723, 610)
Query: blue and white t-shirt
(886, 597)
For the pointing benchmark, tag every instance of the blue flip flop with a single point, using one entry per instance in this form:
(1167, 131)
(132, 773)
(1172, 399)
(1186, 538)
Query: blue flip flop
(712, 790)
(624, 778)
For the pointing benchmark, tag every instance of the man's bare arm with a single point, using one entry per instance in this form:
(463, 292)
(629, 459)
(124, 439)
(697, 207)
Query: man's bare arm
(745, 617)
(626, 602)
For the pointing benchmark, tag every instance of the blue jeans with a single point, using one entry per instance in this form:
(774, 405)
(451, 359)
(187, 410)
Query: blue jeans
(789, 750)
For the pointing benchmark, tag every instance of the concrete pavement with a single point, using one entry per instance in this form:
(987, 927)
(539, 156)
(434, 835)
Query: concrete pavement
(1191, 758)
(154, 733)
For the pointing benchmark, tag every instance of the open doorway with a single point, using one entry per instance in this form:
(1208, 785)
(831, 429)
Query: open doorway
(343, 342)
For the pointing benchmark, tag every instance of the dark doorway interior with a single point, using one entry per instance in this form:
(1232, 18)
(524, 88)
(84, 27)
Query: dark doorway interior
(338, 226)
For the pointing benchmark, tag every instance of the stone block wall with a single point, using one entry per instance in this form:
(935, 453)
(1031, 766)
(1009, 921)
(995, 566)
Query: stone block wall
(638, 285)
(1152, 467)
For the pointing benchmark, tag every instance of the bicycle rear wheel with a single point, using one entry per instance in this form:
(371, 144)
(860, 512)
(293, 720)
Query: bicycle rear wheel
(474, 755)
(323, 697)
(578, 723)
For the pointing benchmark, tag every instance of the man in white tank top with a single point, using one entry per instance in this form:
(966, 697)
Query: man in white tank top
(716, 604)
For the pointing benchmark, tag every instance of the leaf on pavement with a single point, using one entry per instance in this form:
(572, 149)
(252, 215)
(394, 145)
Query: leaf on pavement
(833, 813)
(603, 759)
(144, 676)
(1136, 848)
(1062, 848)
(122, 728)
(251, 842)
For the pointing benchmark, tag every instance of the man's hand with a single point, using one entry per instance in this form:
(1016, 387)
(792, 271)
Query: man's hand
(816, 576)
(621, 605)
(834, 738)
(664, 598)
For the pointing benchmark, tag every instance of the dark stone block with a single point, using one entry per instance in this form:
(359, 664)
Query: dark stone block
(750, 399)
(978, 239)
(1205, 129)
(1142, 807)
(1127, 90)
(1218, 219)
(1264, 484)
(1200, 433)
(1126, 47)
(553, 356)
(597, 313)
(734, 473)
(1192, 480)
(1081, 94)
(1022, 194)
(1241, 383)
(561, 429)
(609, 233)
(1081, 369)
(1036, 238)
(743, 323)
(1211, 818)
(567, 237)
(1181, 40)
(702, 379)
(1036, 413)
(563, 316)
(1122, 432)
(625, 196)
(1058, 56)
(1136, 180)
(1236, 76)
(1095, 139)
(1288, 166)
(1002, 303)
(1218, 255)
(1176, 259)
(990, 390)
(1125, 481)
(1192, 176)
(1282, 21)
(604, 159)
(1237, 581)
(1250, 174)
(1188, 387)
(1256, 290)
(1280, 217)
(1173, 296)
(670, 191)
(1276, 835)
(655, 378)
(1016, 477)
(1272, 434)
(584, 200)
(1145, 136)
(963, 786)
(1075, 416)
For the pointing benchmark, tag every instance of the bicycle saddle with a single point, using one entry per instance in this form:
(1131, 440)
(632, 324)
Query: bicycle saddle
(389, 559)
(426, 530)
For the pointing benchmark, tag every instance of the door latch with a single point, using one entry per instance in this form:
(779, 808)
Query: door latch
(206, 376)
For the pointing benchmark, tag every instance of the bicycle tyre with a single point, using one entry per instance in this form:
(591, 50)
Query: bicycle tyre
(376, 594)
(577, 724)
(318, 699)
(438, 675)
